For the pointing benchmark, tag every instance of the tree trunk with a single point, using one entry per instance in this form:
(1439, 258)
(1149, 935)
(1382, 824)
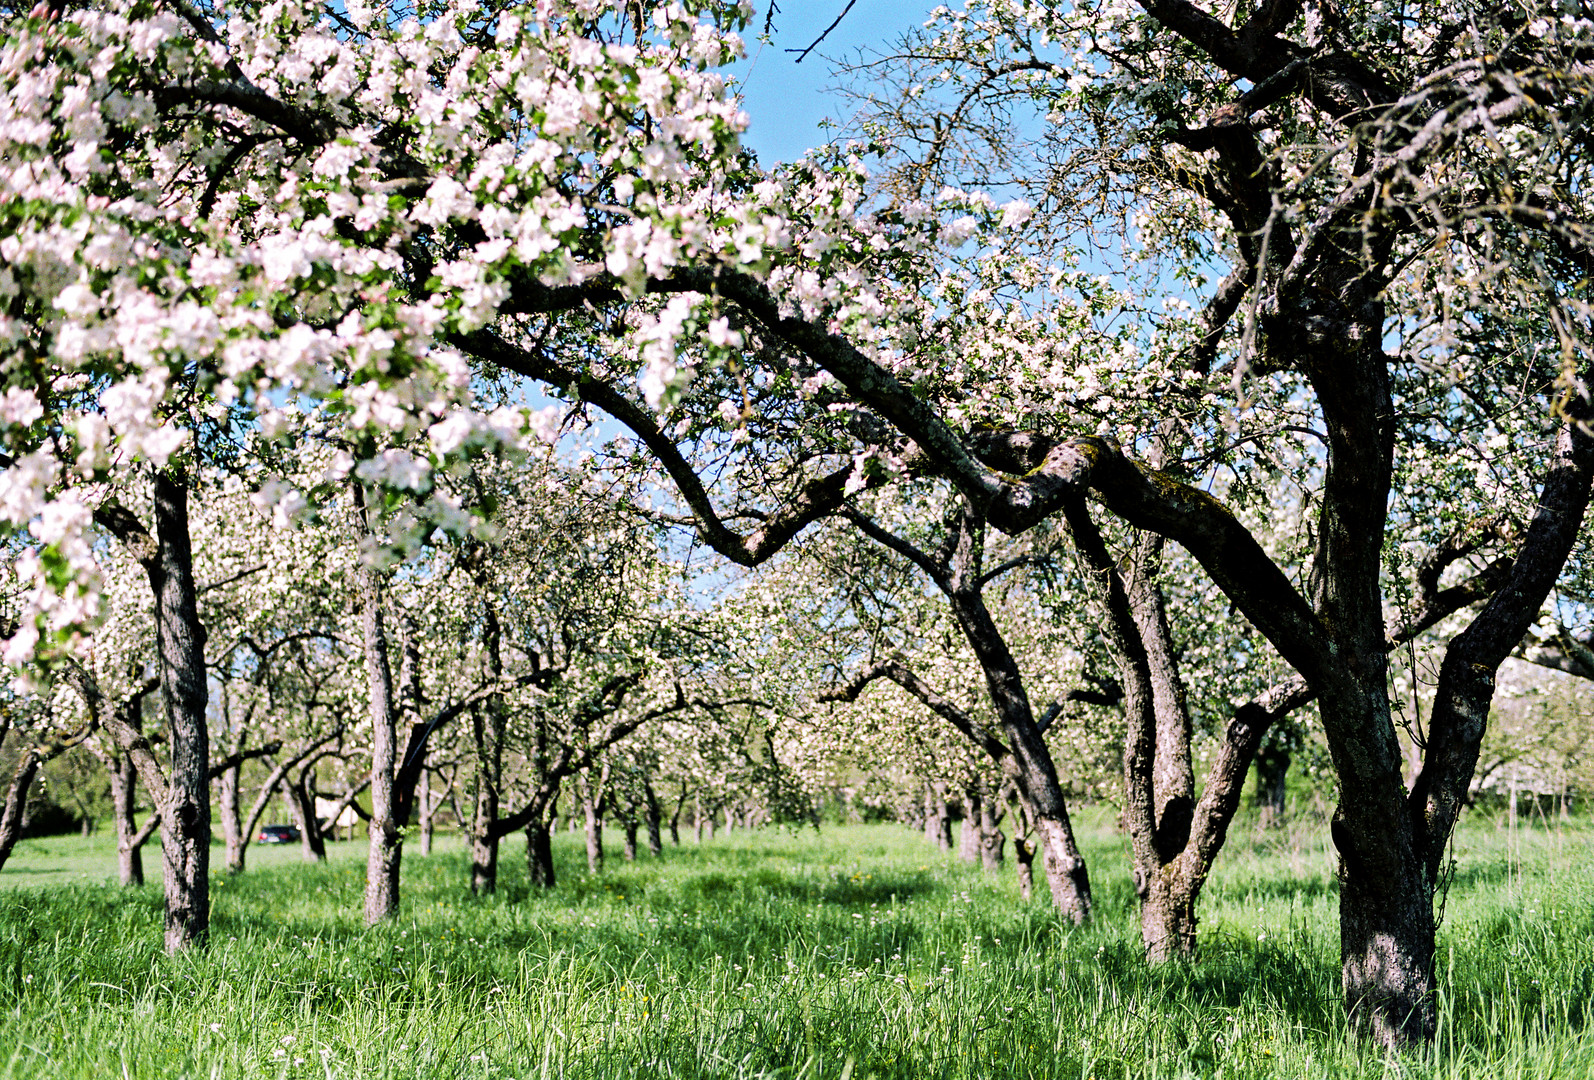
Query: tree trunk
(539, 855)
(653, 816)
(427, 809)
(231, 825)
(1386, 927)
(1027, 763)
(1066, 875)
(180, 644)
(937, 817)
(1272, 767)
(675, 819)
(16, 802)
(631, 826)
(124, 796)
(969, 838)
(301, 803)
(593, 817)
(487, 729)
(992, 839)
(1023, 859)
(386, 851)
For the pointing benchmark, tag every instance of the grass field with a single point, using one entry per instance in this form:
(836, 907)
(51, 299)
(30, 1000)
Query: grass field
(856, 952)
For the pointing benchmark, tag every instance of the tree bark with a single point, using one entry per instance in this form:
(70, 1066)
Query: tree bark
(386, 852)
(652, 815)
(594, 797)
(937, 815)
(16, 802)
(231, 826)
(427, 809)
(675, 818)
(992, 839)
(1023, 757)
(969, 836)
(539, 855)
(487, 729)
(180, 644)
(301, 803)
(124, 795)
(1023, 860)
(594, 833)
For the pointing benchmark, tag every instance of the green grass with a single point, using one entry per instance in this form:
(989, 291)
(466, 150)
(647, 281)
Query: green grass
(855, 952)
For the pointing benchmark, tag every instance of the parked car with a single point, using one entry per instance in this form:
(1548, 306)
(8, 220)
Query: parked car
(279, 834)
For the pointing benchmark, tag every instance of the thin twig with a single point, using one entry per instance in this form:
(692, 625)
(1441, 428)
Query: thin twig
(823, 36)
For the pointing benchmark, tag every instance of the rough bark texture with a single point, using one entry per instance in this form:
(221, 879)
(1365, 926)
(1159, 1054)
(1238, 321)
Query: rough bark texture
(16, 802)
(630, 826)
(231, 820)
(180, 645)
(489, 736)
(386, 852)
(426, 807)
(301, 803)
(1173, 838)
(487, 729)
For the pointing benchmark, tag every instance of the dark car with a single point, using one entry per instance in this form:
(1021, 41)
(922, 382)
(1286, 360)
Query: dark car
(279, 834)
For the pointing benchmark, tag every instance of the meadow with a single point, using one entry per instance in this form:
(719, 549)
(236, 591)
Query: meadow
(853, 952)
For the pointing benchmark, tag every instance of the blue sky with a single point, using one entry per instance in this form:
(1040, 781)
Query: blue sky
(786, 100)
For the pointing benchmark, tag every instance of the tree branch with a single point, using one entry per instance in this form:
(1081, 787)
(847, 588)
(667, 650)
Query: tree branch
(897, 671)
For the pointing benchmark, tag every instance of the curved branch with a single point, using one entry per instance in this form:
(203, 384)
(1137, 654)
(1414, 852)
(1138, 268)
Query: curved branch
(816, 499)
(898, 672)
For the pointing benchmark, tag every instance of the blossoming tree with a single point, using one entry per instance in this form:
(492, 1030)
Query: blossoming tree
(278, 214)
